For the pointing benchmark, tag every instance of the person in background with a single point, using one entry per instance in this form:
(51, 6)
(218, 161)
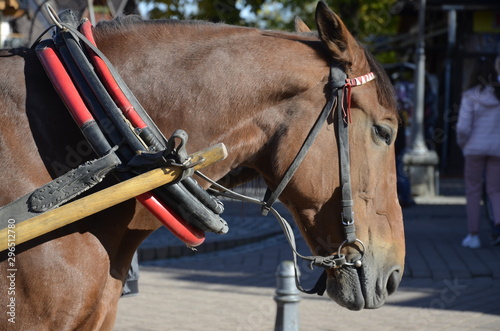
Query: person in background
(478, 135)
(404, 89)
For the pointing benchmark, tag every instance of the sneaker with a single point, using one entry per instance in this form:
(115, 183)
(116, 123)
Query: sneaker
(471, 241)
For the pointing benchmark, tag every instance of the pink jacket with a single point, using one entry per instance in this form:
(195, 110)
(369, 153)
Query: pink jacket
(478, 127)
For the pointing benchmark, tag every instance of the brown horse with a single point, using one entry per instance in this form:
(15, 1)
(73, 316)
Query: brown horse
(259, 93)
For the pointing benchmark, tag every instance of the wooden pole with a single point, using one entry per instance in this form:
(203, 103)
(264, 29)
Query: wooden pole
(96, 202)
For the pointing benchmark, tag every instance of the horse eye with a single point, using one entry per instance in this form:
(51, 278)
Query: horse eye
(383, 133)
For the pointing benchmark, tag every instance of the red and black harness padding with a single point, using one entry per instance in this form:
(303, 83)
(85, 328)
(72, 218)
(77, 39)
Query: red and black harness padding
(121, 133)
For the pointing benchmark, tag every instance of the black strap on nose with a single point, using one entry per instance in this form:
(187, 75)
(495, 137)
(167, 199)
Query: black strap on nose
(339, 81)
(271, 196)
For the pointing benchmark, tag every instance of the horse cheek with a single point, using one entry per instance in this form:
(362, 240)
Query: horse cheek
(391, 221)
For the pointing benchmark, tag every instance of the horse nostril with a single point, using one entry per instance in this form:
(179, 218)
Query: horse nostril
(393, 282)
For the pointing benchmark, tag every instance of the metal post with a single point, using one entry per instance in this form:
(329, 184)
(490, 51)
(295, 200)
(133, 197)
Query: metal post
(420, 160)
(417, 138)
(2, 38)
(452, 36)
(287, 298)
(90, 6)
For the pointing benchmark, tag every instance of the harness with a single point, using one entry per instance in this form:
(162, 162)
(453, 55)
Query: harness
(121, 133)
(145, 147)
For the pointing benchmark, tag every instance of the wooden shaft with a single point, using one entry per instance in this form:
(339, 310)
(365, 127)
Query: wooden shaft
(96, 202)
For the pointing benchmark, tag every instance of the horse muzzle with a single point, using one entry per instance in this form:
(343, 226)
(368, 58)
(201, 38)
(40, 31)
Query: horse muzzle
(362, 287)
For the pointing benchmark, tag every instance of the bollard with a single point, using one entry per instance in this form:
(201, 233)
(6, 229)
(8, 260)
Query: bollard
(287, 298)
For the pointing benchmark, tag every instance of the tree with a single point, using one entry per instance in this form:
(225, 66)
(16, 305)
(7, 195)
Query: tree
(365, 16)
(369, 20)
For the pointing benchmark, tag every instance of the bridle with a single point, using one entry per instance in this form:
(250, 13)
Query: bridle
(339, 96)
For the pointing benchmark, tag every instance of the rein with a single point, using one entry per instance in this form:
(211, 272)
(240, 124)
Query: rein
(340, 88)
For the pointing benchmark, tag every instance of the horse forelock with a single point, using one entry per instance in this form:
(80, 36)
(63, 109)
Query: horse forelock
(385, 91)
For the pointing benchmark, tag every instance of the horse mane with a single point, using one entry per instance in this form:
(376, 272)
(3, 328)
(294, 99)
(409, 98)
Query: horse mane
(121, 22)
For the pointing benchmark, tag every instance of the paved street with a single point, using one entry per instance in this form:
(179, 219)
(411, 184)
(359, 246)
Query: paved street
(230, 286)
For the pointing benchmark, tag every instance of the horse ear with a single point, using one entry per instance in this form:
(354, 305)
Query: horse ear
(300, 26)
(334, 35)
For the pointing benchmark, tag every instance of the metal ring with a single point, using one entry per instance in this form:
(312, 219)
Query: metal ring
(356, 263)
(54, 17)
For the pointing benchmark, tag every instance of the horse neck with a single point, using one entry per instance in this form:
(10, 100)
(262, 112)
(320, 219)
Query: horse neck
(218, 83)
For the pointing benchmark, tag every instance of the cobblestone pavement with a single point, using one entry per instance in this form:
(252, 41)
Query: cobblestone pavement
(445, 286)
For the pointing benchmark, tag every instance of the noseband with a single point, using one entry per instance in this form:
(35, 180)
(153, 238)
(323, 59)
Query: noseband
(340, 95)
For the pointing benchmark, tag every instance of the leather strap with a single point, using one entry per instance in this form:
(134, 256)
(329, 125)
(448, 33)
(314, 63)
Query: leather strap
(270, 196)
(339, 81)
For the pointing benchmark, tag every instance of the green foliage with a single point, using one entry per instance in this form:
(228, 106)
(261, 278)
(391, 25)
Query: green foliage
(368, 20)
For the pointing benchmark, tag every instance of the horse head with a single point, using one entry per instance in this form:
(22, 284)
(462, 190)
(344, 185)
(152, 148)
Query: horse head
(314, 193)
